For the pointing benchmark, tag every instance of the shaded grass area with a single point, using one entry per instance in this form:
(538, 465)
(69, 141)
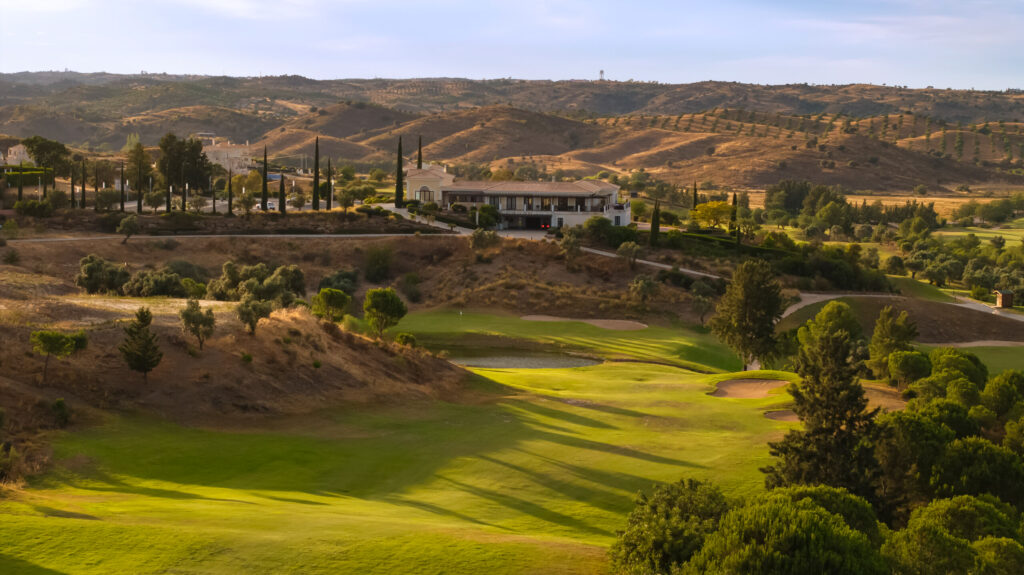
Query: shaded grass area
(1012, 231)
(692, 349)
(531, 473)
(920, 290)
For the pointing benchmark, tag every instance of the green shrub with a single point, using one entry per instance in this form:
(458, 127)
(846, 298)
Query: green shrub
(147, 283)
(58, 199)
(246, 357)
(330, 304)
(377, 264)
(317, 364)
(61, 414)
(407, 339)
(668, 527)
(97, 275)
(342, 280)
(33, 208)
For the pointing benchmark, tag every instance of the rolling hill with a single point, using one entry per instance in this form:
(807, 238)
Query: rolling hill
(863, 137)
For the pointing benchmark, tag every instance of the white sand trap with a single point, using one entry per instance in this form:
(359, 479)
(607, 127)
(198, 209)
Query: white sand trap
(615, 324)
(782, 415)
(747, 388)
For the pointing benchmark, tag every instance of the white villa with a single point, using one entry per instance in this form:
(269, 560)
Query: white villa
(17, 155)
(522, 205)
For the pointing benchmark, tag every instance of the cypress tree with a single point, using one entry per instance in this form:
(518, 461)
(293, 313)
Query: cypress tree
(139, 348)
(170, 190)
(655, 224)
(122, 185)
(73, 204)
(45, 181)
(213, 196)
(96, 188)
(696, 199)
(732, 221)
(419, 154)
(281, 200)
(184, 189)
(399, 178)
(21, 176)
(330, 185)
(231, 196)
(316, 174)
(264, 198)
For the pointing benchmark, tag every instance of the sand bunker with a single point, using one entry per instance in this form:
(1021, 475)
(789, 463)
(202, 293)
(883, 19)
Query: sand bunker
(782, 415)
(747, 388)
(615, 324)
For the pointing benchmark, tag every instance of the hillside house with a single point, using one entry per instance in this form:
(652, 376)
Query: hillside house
(521, 205)
(1004, 298)
(18, 155)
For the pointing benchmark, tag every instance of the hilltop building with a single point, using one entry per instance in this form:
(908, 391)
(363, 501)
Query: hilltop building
(236, 158)
(521, 205)
(18, 155)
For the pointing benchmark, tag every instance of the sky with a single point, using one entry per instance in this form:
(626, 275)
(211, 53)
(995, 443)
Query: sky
(918, 43)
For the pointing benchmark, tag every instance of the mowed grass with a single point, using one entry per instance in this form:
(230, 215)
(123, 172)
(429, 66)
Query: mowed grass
(532, 473)
(677, 346)
(1012, 232)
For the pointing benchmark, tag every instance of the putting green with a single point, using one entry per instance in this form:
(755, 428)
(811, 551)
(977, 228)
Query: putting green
(532, 473)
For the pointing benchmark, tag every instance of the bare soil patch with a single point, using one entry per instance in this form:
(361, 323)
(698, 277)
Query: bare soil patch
(613, 324)
(747, 388)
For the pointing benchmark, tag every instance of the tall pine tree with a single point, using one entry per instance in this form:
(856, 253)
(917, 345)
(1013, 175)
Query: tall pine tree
(419, 154)
(316, 174)
(281, 199)
(696, 198)
(400, 178)
(21, 176)
(122, 186)
(139, 347)
(73, 204)
(265, 196)
(655, 224)
(834, 445)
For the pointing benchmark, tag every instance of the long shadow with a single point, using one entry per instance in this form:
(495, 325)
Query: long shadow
(105, 483)
(600, 498)
(438, 510)
(527, 507)
(291, 500)
(14, 566)
(580, 443)
(623, 481)
(51, 512)
(609, 409)
(565, 416)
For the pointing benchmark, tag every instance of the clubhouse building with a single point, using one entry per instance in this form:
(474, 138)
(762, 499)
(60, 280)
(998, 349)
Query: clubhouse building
(521, 205)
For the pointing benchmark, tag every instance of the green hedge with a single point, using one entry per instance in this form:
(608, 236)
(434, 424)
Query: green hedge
(29, 177)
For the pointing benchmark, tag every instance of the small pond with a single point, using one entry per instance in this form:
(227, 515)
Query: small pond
(521, 360)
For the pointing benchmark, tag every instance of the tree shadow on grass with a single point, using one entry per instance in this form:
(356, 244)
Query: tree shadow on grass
(527, 507)
(543, 411)
(438, 510)
(51, 512)
(14, 566)
(600, 498)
